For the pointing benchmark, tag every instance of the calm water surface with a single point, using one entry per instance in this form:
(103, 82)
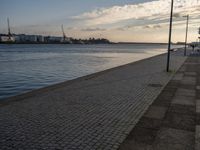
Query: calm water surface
(27, 67)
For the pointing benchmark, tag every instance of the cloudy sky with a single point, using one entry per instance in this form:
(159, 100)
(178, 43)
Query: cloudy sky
(117, 20)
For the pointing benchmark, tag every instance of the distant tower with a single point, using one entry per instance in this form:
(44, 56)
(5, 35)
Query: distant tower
(9, 33)
(64, 35)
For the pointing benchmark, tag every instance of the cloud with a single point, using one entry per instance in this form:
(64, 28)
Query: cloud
(71, 28)
(150, 26)
(155, 26)
(147, 27)
(93, 29)
(157, 9)
(177, 15)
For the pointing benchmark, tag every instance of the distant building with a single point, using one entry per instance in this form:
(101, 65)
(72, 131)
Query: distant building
(17, 38)
(22, 38)
(40, 38)
(66, 40)
(5, 38)
(53, 39)
(26, 38)
(31, 39)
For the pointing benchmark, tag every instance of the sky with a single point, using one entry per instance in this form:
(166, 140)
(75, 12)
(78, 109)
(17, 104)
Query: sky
(116, 20)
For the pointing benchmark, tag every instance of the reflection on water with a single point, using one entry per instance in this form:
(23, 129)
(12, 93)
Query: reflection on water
(27, 67)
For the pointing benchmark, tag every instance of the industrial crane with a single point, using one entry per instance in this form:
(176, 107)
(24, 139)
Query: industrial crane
(64, 35)
(9, 33)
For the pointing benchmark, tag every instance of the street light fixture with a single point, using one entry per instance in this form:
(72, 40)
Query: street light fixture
(170, 35)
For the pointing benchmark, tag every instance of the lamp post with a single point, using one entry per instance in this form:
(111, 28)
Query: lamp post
(186, 34)
(170, 35)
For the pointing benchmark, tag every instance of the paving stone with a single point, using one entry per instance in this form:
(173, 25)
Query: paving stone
(185, 92)
(189, 80)
(178, 76)
(198, 94)
(156, 112)
(198, 79)
(179, 121)
(162, 102)
(172, 84)
(173, 139)
(169, 146)
(134, 145)
(171, 90)
(187, 86)
(164, 99)
(190, 73)
(197, 138)
(182, 69)
(142, 135)
(198, 119)
(198, 87)
(166, 96)
(198, 106)
(192, 67)
(182, 109)
(149, 123)
(184, 100)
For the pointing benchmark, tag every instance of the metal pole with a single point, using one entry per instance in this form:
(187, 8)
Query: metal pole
(9, 33)
(199, 42)
(170, 34)
(186, 35)
(199, 38)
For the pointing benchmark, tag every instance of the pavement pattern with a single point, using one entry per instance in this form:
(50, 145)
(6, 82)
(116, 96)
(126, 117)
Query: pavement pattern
(172, 122)
(95, 112)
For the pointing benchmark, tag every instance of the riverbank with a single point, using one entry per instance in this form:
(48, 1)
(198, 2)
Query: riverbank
(92, 112)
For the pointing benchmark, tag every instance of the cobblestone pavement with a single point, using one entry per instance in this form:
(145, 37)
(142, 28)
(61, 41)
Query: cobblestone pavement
(93, 112)
(172, 122)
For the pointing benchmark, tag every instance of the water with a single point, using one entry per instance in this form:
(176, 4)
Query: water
(27, 67)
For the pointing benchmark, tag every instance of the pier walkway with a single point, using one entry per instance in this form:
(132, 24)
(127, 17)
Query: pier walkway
(90, 113)
(172, 122)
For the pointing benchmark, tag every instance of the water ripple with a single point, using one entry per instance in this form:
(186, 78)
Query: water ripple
(27, 67)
